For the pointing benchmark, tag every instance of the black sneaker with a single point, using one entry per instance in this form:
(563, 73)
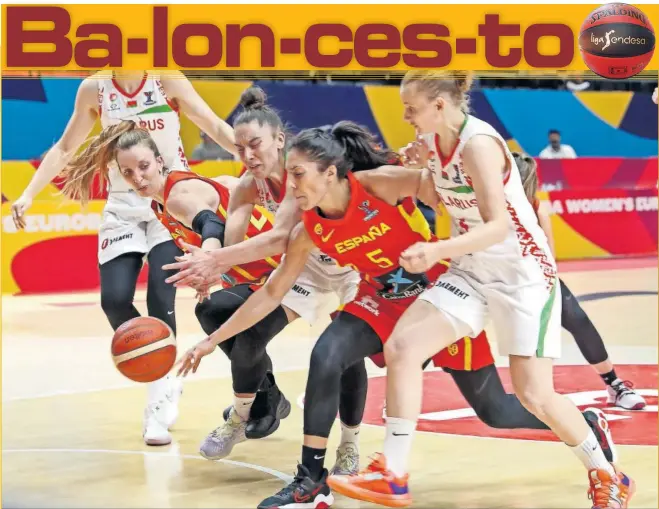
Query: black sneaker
(600, 426)
(264, 420)
(302, 492)
(269, 407)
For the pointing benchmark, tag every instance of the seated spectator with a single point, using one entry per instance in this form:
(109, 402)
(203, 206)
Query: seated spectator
(556, 149)
(208, 150)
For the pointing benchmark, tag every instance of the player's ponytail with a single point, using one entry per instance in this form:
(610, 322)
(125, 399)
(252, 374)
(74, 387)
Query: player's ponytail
(255, 107)
(528, 171)
(346, 145)
(99, 154)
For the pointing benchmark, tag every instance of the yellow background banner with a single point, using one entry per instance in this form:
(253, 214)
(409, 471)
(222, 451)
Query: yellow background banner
(295, 37)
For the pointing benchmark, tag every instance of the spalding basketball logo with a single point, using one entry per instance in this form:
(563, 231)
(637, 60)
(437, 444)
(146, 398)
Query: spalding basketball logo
(617, 41)
(445, 411)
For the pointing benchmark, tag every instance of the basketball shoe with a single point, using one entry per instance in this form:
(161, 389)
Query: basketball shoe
(219, 442)
(347, 460)
(269, 408)
(161, 411)
(609, 492)
(600, 426)
(375, 484)
(302, 492)
(621, 393)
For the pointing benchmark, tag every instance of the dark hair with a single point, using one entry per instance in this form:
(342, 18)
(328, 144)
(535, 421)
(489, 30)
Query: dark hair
(102, 150)
(253, 101)
(554, 131)
(346, 145)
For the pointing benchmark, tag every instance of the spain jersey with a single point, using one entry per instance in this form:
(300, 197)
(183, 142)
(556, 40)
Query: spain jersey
(254, 273)
(370, 238)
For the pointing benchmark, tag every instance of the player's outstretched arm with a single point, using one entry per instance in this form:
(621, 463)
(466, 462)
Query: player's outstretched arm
(79, 126)
(260, 303)
(196, 109)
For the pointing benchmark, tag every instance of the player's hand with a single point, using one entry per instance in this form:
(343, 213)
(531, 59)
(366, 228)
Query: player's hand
(195, 267)
(419, 257)
(18, 210)
(416, 154)
(654, 95)
(192, 358)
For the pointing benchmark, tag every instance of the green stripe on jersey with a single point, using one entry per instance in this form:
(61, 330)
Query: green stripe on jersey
(544, 321)
(163, 108)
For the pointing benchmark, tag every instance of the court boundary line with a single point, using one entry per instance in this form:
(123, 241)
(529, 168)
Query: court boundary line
(252, 466)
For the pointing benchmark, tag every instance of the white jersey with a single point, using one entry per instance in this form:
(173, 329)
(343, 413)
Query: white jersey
(129, 224)
(525, 238)
(318, 260)
(150, 108)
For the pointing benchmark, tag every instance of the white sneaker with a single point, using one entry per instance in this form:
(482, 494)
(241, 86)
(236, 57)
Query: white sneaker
(154, 431)
(172, 397)
(623, 395)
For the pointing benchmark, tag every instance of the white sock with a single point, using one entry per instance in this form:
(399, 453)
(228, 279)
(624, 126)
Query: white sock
(349, 435)
(158, 389)
(243, 406)
(591, 455)
(398, 444)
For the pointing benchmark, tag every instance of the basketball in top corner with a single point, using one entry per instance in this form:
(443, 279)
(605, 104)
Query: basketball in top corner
(617, 41)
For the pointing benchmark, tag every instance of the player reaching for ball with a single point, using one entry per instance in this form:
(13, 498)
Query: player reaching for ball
(385, 292)
(129, 229)
(501, 268)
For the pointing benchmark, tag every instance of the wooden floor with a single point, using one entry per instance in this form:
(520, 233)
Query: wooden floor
(71, 434)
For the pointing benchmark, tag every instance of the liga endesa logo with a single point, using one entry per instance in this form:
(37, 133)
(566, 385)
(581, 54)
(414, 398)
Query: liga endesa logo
(372, 45)
(445, 411)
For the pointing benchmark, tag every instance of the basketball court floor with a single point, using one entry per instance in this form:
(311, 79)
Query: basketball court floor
(71, 424)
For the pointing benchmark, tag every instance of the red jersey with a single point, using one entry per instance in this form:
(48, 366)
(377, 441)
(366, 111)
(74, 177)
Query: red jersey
(254, 272)
(371, 237)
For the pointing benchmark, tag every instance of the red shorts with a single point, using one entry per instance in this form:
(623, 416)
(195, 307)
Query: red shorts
(467, 354)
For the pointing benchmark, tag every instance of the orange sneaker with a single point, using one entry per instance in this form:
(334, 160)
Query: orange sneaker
(375, 484)
(610, 492)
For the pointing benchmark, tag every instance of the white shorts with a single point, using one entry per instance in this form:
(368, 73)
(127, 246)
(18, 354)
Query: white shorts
(526, 316)
(128, 226)
(314, 289)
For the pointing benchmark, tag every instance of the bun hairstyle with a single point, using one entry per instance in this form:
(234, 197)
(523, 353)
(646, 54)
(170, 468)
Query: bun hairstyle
(253, 101)
(528, 171)
(456, 84)
(102, 150)
(346, 145)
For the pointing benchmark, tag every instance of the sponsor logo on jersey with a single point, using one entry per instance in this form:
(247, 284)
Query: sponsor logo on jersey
(454, 290)
(114, 240)
(373, 233)
(369, 304)
(326, 259)
(301, 291)
(149, 98)
(370, 213)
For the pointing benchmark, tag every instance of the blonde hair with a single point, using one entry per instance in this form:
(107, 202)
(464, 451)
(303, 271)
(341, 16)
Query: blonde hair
(433, 83)
(528, 170)
(102, 150)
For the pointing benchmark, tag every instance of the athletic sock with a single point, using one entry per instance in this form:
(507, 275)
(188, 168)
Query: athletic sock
(591, 455)
(398, 444)
(609, 377)
(314, 460)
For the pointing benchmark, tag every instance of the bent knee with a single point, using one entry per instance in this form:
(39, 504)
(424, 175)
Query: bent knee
(535, 401)
(397, 350)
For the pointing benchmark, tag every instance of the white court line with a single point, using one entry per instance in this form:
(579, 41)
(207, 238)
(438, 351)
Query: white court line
(275, 473)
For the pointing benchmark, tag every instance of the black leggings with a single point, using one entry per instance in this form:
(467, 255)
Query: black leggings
(119, 280)
(575, 320)
(247, 351)
(337, 373)
(493, 405)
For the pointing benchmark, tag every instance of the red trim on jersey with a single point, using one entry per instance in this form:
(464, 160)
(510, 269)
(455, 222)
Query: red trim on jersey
(126, 94)
(282, 190)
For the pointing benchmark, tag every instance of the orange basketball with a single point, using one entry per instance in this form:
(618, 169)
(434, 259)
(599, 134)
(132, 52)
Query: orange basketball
(144, 349)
